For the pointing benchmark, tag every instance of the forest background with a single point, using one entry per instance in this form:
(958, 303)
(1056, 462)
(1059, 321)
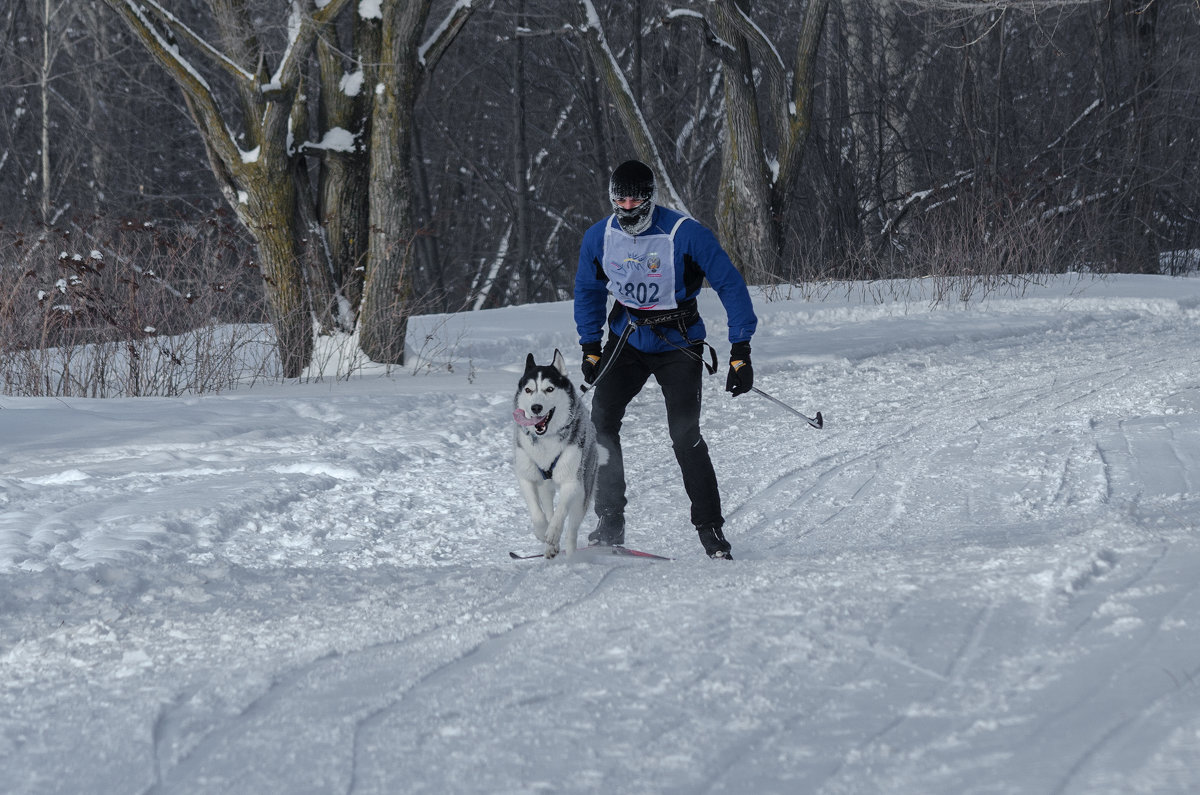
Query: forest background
(334, 167)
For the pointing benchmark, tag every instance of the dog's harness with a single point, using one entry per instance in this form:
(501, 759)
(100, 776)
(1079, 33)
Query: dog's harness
(548, 474)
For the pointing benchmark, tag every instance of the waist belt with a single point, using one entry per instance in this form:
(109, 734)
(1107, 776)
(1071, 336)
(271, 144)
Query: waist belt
(682, 317)
(685, 315)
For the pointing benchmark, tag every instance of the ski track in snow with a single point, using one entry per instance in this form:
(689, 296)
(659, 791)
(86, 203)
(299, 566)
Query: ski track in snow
(978, 578)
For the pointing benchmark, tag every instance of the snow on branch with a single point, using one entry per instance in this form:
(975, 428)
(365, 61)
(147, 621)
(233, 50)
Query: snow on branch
(962, 177)
(165, 49)
(1077, 204)
(186, 33)
(916, 197)
(336, 139)
(439, 41)
(301, 31)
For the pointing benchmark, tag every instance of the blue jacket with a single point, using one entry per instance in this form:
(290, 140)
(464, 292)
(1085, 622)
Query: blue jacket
(698, 256)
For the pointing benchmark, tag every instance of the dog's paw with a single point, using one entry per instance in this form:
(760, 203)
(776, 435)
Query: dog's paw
(551, 551)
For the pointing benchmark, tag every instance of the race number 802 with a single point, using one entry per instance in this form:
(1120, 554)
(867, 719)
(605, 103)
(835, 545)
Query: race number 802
(641, 293)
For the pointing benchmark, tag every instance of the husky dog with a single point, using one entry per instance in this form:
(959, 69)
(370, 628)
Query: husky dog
(555, 451)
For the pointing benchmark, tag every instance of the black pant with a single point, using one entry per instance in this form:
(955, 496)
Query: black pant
(678, 373)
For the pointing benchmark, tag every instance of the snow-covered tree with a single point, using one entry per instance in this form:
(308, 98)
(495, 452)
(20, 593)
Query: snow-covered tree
(244, 74)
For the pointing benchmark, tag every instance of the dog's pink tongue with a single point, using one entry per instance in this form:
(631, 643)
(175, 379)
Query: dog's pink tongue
(519, 416)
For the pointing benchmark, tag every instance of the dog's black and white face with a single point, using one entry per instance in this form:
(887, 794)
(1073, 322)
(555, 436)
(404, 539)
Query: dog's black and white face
(545, 396)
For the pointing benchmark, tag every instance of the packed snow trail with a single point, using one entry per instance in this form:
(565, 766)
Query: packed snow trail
(978, 577)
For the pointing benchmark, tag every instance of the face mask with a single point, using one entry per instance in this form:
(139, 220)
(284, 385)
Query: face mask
(634, 220)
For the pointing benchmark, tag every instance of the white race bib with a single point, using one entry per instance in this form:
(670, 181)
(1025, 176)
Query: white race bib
(641, 268)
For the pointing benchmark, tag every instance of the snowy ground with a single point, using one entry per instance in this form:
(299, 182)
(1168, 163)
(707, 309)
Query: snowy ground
(980, 577)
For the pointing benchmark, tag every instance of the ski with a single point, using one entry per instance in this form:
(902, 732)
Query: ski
(624, 552)
(632, 553)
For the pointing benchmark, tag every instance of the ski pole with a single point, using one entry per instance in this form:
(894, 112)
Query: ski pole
(816, 421)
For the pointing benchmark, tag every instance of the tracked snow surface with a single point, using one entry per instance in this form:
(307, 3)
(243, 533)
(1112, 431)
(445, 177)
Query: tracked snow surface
(980, 577)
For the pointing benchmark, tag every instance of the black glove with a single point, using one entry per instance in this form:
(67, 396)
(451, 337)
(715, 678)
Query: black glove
(741, 374)
(591, 361)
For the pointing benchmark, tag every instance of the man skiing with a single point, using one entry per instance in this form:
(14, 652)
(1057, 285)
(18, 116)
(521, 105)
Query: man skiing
(653, 261)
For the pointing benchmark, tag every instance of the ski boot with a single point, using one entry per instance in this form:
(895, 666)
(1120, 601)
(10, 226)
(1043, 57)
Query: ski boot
(610, 532)
(714, 542)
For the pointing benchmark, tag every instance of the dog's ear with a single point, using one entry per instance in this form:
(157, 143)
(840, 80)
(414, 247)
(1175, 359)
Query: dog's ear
(529, 363)
(560, 363)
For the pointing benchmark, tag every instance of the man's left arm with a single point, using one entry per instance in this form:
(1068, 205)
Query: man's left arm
(724, 277)
(739, 309)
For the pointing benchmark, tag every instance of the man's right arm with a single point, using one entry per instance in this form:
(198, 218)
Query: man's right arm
(591, 291)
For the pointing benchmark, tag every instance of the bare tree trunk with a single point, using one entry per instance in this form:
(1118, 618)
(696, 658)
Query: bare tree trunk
(798, 109)
(745, 218)
(95, 97)
(595, 117)
(269, 213)
(520, 254)
(1141, 28)
(44, 91)
(345, 103)
(432, 268)
(387, 293)
(864, 42)
(311, 243)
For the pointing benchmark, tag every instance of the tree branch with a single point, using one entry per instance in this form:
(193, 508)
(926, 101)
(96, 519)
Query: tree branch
(197, 93)
(622, 96)
(440, 40)
(193, 38)
(771, 59)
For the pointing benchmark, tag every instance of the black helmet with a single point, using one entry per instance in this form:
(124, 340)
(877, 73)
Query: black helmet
(633, 179)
